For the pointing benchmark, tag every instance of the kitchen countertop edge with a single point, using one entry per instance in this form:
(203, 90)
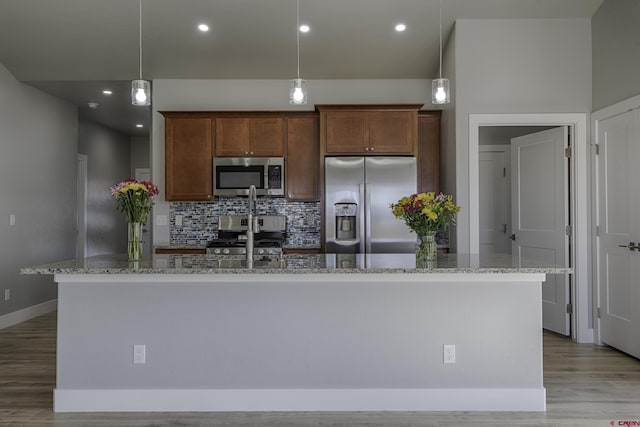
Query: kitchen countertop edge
(118, 264)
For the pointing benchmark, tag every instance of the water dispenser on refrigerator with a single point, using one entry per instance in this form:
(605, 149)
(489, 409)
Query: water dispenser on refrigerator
(346, 214)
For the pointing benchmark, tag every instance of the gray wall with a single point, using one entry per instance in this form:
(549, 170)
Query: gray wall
(38, 135)
(108, 163)
(515, 66)
(261, 95)
(501, 135)
(140, 154)
(616, 52)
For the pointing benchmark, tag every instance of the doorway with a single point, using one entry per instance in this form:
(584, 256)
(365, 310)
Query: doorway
(524, 205)
(580, 290)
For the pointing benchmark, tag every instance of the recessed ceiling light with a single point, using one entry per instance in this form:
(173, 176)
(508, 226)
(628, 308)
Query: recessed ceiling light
(203, 27)
(139, 125)
(400, 27)
(92, 105)
(304, 28)
(107, 92)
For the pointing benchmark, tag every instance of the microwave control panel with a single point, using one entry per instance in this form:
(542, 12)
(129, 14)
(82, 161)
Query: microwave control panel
(275, 176)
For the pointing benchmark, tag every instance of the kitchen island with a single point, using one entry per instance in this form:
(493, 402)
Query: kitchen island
(299, 333)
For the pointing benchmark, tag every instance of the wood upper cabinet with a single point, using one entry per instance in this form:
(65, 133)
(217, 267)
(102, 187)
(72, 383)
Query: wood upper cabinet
(392, 132)
(429, 151)
(346, 131)
(188, 159)
(249, 136)
(303, 159)
(369, 129)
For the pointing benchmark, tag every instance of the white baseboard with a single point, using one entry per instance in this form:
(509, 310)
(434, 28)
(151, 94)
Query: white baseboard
(20, 316)
(170, 400)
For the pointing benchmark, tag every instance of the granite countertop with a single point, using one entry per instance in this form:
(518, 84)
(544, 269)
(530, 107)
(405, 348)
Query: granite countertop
(296, 264)
(198, 247)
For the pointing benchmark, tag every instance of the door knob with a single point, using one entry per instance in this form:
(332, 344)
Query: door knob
(513, 237)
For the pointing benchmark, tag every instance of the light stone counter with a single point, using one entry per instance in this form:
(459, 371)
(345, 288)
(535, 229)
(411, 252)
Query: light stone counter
(297, 264)
(299, 333)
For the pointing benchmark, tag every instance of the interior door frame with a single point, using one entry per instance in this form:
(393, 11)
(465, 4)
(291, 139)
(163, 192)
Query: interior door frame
(632, 103)
(582, 295)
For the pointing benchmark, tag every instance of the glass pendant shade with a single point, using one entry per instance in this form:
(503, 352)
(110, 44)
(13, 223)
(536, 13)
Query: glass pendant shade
(440, 91)
(141, 92)
(298, 92)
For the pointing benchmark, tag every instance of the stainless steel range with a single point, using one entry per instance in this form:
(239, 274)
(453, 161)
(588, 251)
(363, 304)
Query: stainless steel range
(232, 238)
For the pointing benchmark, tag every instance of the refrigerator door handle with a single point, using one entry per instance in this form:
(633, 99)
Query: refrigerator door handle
(367, 205)
(363, 208)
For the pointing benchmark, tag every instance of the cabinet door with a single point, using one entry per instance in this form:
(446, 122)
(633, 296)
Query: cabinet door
(347, 132)
(303, 159)
(429, 153)
(392, 132)
(266, 137)
(232, 137)
(188, 159)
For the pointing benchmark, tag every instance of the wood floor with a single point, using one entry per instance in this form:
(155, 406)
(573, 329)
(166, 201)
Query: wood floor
(586, 385)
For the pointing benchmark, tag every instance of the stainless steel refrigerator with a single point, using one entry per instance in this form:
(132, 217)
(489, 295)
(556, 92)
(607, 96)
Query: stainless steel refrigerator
(358, 192)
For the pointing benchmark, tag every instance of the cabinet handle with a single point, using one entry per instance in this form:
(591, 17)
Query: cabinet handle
(246, 153)
(366, 148)
(208, 196)
(372, 148)
(251, 153)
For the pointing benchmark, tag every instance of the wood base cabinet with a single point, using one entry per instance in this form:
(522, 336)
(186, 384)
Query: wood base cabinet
(188, 159)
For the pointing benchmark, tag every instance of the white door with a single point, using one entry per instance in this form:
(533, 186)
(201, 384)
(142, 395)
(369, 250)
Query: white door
(540, 215)
(619, 226)
(144, 174)
(494, 204)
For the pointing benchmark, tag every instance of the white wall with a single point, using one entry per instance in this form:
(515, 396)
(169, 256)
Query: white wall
(515, 66)
(616, 52)
(108, 155)
(38, 145)
(262, 95)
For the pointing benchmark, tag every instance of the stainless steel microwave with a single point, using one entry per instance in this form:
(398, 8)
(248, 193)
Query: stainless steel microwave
(232, 176)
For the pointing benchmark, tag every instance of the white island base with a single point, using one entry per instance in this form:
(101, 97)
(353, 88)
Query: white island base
(299, 342)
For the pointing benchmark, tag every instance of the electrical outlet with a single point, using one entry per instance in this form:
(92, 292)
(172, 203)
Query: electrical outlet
(12, 220)
(139, 354)
(449, 353)
(178, 220)
(7, 294)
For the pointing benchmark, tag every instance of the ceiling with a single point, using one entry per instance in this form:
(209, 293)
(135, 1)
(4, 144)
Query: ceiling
(74, 49)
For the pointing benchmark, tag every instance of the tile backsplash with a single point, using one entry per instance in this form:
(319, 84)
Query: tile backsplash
(200, 219)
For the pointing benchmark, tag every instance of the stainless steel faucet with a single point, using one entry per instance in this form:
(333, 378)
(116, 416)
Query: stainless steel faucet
(252, 224)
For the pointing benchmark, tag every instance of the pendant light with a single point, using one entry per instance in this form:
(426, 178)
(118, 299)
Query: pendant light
(140, 89)
(440, 87)
(298, 90)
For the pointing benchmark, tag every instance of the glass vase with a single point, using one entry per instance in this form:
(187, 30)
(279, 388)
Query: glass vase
(134, 243)
(426, 250)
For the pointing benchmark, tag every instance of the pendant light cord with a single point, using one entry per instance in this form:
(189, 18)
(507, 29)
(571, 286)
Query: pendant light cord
(440, 71)
(140, 38)
(297, 34)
